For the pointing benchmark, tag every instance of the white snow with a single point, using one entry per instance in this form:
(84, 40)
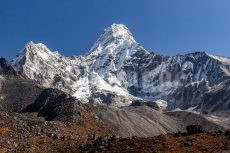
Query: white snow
(162, 104)
(226, 71)
(191, 109)
(43, 55)
(82, 89)
(219, 58)
(99, 83)
(187, 65)
(198, 75)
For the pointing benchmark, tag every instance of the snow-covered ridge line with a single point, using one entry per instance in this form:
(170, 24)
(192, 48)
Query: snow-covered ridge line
(220, 58)
(118, 70)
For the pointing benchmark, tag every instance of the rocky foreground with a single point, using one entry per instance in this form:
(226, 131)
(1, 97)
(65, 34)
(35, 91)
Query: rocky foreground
(32, 136)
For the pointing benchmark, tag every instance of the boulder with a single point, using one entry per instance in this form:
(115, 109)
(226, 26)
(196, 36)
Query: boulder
(193, 129)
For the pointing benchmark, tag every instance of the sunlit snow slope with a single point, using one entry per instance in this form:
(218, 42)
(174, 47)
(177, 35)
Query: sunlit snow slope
(118, 70)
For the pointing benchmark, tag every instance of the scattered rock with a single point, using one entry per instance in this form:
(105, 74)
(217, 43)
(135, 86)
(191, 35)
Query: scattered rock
(150, 104)
(178, 134)
(187, 143)
(193, 129)
(227, 134)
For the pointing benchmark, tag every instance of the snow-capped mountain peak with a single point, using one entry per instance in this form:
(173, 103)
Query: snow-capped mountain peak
(118, 69)
(120, 31)
(33, 49)
(34, 59)
(117, 35)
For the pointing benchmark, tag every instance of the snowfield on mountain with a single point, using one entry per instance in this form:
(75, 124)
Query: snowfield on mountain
(118, 70)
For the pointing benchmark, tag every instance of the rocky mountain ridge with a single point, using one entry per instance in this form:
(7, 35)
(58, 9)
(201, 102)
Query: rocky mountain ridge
(118, 70)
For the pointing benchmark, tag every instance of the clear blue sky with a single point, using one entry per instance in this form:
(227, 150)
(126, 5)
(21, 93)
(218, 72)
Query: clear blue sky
(72, 26)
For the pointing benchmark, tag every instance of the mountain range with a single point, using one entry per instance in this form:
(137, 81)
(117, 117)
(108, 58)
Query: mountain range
(118, 71)
(116, 88)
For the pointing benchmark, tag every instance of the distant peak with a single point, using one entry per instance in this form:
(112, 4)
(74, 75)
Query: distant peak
(33, 51)
(116, 34)
(32, 44)
(119, 31)
(119, 27)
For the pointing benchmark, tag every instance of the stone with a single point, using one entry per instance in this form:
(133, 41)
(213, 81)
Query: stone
(193, 129)
(187, 143)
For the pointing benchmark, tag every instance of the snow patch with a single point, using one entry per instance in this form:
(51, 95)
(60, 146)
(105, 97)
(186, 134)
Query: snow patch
(219, 58)
(162, 104)
(2, 97)
(43, 55)
(100, 84)
(187, 66)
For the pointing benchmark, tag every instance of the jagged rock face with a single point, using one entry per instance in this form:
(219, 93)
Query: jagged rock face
(47, 68)
(216, 101)
(6, 69)
(197, 73)
(53, 104)
(16, 93)
(118, 70)
(137, 103)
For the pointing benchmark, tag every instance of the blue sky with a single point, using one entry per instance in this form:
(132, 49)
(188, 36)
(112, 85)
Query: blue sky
(167, 27)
